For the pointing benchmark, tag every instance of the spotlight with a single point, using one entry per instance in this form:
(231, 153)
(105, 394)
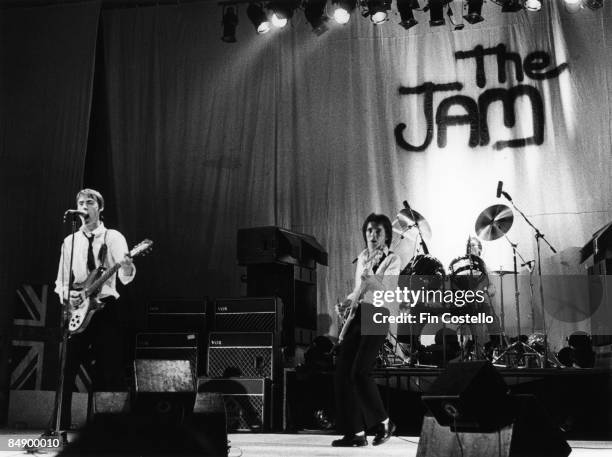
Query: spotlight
(436, 12)
(406, 15)
(281, 13)
(533, 5)
(573, 5)
(343, 9)
(474, 12)
(230, 21)
(377, 10)
(594, 4)
(258, 18)
(511, 6)
(314, 10)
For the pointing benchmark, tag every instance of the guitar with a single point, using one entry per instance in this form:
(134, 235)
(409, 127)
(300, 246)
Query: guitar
(347, 314)
(81, 316)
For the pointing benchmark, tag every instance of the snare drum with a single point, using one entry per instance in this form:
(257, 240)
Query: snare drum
(468, 273)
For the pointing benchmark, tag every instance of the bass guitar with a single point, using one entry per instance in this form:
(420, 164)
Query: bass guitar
(80, 316)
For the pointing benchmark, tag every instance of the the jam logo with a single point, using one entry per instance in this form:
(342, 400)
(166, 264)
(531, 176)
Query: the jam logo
(534, 66)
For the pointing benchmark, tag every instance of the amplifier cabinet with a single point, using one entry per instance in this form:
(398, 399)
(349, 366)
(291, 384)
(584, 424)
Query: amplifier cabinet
(177, 315)
(247, 401)
(250, 314)
(249, 355)
(168, 346)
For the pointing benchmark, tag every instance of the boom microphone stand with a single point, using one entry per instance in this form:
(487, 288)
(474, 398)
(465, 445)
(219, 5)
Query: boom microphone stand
(538, 236)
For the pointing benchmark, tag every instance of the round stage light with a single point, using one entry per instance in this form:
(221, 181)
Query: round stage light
(572, 6)
(379, 17)
(278, 21)
(258, 18)
(264, 27)
(341, 16)
(533, 5)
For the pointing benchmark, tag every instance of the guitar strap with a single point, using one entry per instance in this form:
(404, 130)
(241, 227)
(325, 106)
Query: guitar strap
(103, 252)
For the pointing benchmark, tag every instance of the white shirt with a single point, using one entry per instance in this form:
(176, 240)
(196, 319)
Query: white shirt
(389, 267)
(117, 248)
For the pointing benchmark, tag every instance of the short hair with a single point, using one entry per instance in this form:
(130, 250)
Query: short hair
(478, 242)
(93, 194)
(378, 219)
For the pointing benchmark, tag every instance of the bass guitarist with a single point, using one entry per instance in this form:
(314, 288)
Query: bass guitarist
(358, 403)
(95, 246)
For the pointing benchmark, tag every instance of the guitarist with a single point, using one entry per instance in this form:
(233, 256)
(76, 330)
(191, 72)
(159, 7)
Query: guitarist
(358, 403)
(94, 246)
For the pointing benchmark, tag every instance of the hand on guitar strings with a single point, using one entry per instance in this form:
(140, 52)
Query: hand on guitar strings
(76, 299)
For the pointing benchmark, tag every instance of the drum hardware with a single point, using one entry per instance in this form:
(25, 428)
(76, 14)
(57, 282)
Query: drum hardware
(494, 223)
(538, 236)
(502, 316)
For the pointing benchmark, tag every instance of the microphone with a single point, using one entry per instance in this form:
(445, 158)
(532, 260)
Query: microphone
(75, 212)
(500, 184)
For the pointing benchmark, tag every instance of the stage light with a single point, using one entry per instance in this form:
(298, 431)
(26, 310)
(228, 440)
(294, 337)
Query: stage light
(377, 10)
(533, 5)
(314, 10)
(406, 15)
(436, 12)
(230, 21)
(343, 9)
(511, 6)
(594, 4)
(281, 12)
(474, 12)
(258, 17)
(572, 5)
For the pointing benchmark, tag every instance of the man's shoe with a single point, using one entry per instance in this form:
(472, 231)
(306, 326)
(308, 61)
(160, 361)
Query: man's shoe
(350, 441)
(384, 434)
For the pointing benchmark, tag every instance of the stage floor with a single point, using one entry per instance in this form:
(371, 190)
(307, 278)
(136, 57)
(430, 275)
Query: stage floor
(310, 444)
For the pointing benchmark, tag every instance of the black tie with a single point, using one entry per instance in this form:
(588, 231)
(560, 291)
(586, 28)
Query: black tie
(91, 262)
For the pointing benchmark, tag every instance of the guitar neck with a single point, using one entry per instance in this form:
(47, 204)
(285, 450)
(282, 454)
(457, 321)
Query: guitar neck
(98, 283)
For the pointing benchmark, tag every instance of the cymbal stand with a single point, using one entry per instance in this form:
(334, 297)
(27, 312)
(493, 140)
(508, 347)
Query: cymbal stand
(538, 236)
(502, 314)
(518, 344)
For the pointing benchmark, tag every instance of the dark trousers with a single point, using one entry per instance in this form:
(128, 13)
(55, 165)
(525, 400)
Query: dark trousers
(102, 344)
(358, 403)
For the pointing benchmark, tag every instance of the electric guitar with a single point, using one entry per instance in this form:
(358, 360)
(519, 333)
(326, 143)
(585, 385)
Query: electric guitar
(80, 316)
(347, 313)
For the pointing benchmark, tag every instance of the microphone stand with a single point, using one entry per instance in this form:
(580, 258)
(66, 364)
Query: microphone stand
(538, 236)
(56, 430)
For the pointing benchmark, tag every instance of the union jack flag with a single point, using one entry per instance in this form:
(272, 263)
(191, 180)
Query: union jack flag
(35, 336)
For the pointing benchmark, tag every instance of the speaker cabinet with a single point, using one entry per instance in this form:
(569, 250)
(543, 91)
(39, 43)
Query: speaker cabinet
(157, 345)
(200, 431)
(530, 434)
(250, 314)
(249, 355)
(469, 396)
(247, 401)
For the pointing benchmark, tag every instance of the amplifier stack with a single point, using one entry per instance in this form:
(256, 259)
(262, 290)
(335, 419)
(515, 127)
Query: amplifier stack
(244, 360)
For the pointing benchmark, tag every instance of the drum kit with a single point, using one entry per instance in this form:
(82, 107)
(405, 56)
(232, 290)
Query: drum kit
(466, 273)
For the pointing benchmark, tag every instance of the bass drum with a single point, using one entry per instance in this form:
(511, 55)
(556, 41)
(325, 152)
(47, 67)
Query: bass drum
(468, 273)
(423, 271)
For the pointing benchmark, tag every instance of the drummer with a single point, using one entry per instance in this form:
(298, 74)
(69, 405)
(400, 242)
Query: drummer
(484, 331)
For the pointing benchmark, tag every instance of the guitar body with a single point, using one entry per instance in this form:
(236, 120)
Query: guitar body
(81, 316)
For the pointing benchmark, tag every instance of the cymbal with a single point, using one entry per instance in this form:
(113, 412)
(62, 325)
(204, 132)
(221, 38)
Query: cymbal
(494, 222)
(501, 272)
(405, 221)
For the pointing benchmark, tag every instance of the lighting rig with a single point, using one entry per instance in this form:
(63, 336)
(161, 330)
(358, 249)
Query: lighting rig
(269, 15)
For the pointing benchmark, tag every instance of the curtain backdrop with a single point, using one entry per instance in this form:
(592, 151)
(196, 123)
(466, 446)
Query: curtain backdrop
(305, 132)
(46, 61)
